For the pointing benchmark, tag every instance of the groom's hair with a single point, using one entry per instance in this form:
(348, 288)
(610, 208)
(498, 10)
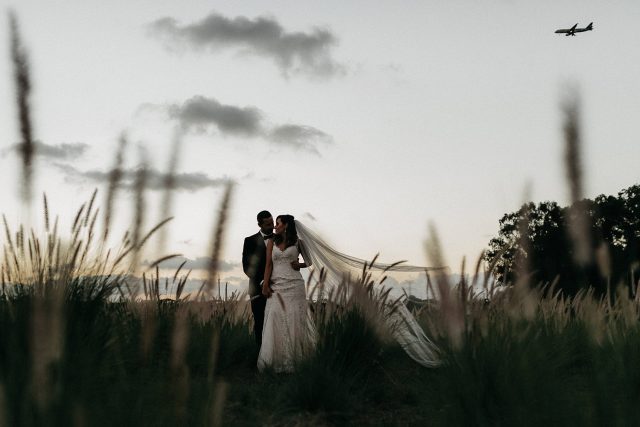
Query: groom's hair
(263, 215)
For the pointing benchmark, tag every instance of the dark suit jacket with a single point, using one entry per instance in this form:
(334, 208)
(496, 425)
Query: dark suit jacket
(254, 261)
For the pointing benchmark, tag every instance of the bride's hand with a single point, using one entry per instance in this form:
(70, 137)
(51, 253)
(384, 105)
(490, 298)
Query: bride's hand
(266, 291)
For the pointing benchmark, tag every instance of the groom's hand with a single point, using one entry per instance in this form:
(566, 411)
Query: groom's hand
(295, 265)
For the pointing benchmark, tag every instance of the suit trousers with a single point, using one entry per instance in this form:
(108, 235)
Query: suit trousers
(257, 308)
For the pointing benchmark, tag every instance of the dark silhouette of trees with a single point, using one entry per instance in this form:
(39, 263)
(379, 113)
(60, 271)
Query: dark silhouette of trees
(535, 241)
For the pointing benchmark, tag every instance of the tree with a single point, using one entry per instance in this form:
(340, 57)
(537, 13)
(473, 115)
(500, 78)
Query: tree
(535, 240)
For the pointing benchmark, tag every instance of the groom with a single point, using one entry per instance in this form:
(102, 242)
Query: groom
(254, 261)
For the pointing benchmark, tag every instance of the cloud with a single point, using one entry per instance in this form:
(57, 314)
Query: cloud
(200, 263)
(293, 52)
(200, 113)
(155, 180)
(64, 151)
(300, 137)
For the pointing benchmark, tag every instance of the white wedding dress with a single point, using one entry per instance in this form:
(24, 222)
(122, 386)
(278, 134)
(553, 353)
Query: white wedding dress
(288, 333)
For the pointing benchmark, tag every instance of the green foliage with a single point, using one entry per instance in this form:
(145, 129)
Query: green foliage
(535, 241)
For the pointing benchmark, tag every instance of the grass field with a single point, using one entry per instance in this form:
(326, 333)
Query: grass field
(518, 360)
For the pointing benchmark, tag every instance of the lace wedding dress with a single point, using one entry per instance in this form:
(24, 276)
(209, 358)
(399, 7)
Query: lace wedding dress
(288, 333)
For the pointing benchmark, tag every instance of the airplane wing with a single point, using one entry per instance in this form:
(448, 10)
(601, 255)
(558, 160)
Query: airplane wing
(571, 30)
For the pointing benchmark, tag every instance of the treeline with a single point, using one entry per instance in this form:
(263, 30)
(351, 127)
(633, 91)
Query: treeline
(536, 244)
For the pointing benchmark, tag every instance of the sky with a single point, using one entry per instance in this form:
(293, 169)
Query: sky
(367, 120)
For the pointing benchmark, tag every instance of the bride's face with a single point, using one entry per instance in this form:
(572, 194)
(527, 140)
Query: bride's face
(280, 227)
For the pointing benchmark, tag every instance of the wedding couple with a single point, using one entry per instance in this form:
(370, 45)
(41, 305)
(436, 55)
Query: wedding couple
(283, 328)
(282, 324)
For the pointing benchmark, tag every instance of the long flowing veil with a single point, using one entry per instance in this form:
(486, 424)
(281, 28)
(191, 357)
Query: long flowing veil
(337, 267)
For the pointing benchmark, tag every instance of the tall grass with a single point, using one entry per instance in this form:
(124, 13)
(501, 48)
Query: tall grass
(22, 82)
(75, 348)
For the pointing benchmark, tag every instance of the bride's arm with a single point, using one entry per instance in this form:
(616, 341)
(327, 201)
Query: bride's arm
(303, 251)
(266, 289)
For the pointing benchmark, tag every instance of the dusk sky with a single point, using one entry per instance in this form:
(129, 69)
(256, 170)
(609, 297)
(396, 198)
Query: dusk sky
(364, 119)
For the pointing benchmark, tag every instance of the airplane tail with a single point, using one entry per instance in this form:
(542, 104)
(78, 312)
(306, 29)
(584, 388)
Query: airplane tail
(590, 26)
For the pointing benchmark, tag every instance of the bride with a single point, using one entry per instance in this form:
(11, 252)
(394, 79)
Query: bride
(288, 332)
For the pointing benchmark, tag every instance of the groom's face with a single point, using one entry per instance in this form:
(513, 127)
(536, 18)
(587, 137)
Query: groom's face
(266, 226)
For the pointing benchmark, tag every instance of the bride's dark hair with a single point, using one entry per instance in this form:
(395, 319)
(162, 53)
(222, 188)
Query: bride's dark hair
(290, 234)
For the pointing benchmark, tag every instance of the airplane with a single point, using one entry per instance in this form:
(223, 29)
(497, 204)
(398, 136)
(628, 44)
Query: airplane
(573, 30)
